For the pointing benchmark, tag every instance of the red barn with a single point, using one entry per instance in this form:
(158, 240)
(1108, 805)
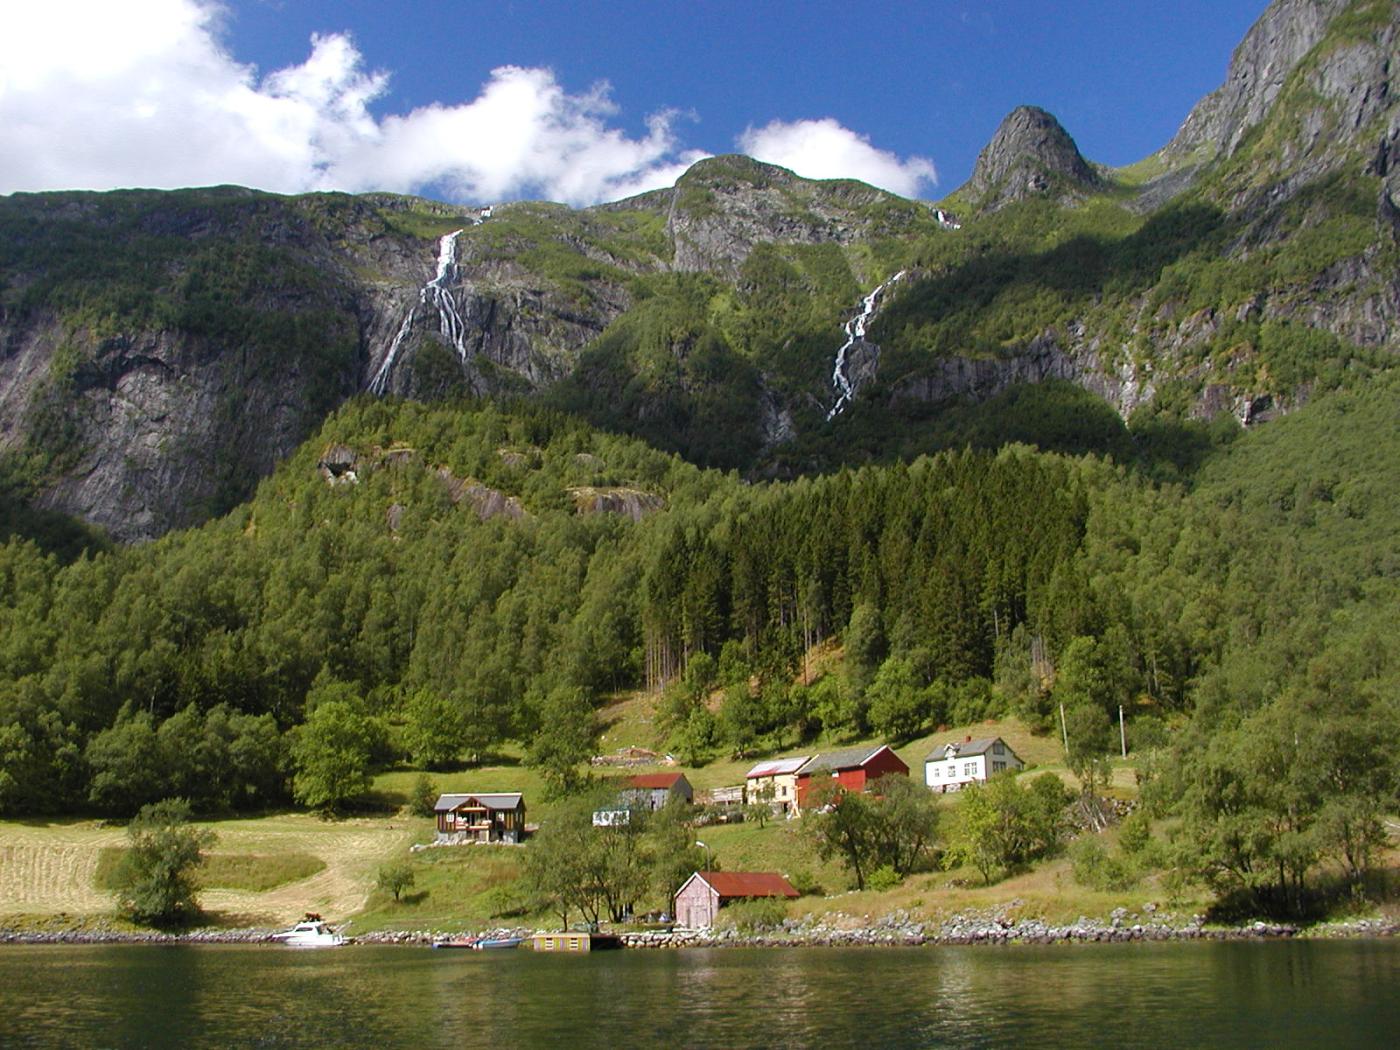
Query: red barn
(854, 769)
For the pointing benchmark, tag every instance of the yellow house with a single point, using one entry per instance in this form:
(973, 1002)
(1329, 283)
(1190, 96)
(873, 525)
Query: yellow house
(775, 782)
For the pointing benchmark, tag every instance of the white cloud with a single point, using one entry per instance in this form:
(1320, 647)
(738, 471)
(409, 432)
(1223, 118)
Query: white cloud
(96, 94)
(823, 149)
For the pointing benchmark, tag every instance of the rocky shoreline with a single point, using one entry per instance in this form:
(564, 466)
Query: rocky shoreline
(898, 929)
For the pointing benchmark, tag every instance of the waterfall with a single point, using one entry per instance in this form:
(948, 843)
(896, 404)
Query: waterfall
(380, 382)
(437, 295)
(855, 333)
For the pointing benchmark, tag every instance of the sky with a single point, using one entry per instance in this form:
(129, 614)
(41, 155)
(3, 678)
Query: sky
(482, 102)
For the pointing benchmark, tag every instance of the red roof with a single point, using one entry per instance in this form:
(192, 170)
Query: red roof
(749, 884)
(654, 780)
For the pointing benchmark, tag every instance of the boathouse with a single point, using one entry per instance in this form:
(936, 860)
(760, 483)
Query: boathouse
(700, 898)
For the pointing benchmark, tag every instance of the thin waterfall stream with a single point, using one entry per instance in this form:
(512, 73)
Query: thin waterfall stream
(855, 333)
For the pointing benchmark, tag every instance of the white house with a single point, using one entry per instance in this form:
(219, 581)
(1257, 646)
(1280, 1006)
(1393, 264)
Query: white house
(950, 766)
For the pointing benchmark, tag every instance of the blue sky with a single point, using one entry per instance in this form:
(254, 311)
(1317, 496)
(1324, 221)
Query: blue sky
(579, 101)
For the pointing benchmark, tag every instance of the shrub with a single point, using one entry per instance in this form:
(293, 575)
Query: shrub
(765, 913)
(1098, 869)
(884, 878)
(422, 796)
(1134, 833)
(154, 881)
(506, 901)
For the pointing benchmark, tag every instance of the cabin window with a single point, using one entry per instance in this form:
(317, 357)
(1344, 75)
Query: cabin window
(996, 748)
(998, 767)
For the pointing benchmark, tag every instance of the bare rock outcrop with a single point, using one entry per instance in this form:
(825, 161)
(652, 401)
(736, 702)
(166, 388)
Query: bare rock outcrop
(1030, 155)
(630, 503)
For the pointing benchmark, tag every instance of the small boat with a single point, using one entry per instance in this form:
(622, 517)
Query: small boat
(455, 942)
(487, 943)
(311, 932)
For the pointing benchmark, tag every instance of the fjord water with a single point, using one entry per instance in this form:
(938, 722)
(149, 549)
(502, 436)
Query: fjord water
(1281, 994)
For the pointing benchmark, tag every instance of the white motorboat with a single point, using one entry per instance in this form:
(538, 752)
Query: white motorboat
(311, 933)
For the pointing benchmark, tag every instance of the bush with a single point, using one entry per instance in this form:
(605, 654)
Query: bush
(1097, 869)
(765, 913)
(884, 878)
(1134, 833)
(805, 883)
(506, 901)
(422, 796)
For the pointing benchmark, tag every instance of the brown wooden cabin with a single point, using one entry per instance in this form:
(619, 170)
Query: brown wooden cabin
(487, 817)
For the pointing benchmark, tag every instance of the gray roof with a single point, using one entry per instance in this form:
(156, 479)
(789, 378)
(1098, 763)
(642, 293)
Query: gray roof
(491, 800)
(850, 758)
(968, 748)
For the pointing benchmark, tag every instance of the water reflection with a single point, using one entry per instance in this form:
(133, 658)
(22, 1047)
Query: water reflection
(1275, 995)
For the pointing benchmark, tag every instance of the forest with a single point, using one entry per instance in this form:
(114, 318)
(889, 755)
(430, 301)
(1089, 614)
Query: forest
(330, 626)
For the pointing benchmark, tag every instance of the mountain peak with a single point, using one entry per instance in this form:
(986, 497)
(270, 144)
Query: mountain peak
(1030, 155)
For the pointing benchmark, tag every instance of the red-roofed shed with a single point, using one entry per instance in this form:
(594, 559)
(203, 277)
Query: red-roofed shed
(654, 790)
(705, 892)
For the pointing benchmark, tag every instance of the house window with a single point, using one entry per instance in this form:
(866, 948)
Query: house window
(937, 771)
(969, 769)
(996, 748)
(998, 767)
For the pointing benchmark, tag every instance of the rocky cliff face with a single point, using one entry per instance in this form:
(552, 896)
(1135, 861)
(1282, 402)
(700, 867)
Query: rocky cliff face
(159, 353)
(1308, 90)
(1270, 51)
(722, 207)
(1030, 155)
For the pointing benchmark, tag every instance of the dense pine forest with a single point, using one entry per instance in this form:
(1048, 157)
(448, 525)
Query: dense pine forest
(431, 584)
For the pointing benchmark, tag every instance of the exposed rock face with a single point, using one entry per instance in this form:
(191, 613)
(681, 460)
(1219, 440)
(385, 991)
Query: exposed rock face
(724, 206)
(159, 429)
(1050, 356)
(1312, 81)
(630, 503)
(1274, 45)
(487, 502)
(1030, 155)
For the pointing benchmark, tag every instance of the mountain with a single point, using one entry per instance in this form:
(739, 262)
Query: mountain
(1030, 154)
(161, 352)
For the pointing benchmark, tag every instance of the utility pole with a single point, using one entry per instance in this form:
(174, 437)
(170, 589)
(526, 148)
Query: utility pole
(1064, 733)
(1122, 733)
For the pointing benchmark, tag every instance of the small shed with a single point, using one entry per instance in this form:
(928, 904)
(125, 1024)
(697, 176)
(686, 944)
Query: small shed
(854, 769)
(654, 790)
(489, 817)
(700, 898)
(951, 767)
